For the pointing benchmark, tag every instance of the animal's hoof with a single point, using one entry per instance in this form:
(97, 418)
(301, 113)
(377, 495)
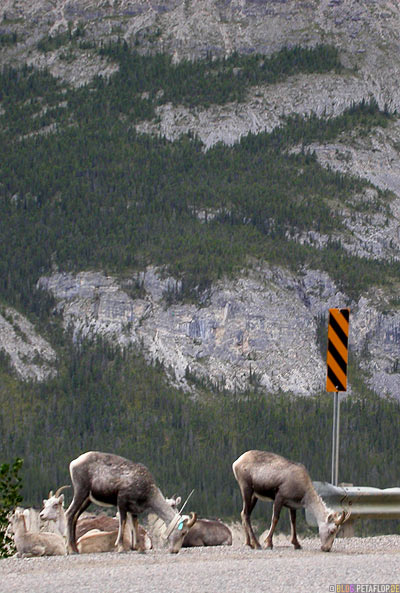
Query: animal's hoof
(268, 546)
(255, 546)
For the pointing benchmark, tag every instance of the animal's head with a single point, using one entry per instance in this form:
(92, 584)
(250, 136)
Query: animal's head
(174, 501)
(178, 528)
(330, 528)
(19, 517)
(53, 505)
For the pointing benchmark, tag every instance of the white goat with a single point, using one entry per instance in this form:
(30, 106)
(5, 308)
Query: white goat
(34, 544)
(53, 510)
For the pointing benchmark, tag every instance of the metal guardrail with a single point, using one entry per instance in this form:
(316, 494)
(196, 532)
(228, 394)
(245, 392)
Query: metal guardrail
(363, 502)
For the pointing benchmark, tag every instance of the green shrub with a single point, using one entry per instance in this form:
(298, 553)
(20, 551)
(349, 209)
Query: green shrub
(10, 486)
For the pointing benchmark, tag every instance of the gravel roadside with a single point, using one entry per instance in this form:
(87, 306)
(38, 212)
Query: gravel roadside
(236, 569)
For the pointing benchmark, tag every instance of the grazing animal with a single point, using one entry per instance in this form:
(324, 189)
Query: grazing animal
(110, 480)
(267, 476)
(53, 510)
(205, 532)
(34, 543)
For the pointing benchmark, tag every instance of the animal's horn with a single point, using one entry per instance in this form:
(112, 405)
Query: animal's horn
(192, 519)
(58, 492)
(348, 515)
(343, 517)
(50, 494)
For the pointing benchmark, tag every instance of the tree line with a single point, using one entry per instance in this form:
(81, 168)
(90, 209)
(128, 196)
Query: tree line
(106, 399)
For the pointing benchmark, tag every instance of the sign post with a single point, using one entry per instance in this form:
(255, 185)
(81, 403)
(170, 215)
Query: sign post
(336, 379)
(335, 439)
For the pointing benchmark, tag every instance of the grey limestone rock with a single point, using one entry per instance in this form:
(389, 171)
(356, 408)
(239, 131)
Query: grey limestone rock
(261, 328)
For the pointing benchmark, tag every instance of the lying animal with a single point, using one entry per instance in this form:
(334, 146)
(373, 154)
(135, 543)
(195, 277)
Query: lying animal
(208, 532)
(34, 544)
(205, 532)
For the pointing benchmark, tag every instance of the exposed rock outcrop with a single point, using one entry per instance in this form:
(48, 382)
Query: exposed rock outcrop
(260, 329)
(28, 353)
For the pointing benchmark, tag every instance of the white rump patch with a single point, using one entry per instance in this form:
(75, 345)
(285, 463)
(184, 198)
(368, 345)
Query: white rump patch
(102, 504)
(264, 497)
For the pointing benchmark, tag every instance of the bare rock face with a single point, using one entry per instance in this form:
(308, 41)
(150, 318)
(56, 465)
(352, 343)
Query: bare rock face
(251, 330)
(28, 353)
(372, 225)
(262, 330)
(263, 110)
(379, 344)
(258, 330)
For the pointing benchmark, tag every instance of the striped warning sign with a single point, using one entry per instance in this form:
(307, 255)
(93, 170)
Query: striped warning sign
(336, 360)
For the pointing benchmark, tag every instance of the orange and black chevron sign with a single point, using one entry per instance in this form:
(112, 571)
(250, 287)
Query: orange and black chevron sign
(338, 336)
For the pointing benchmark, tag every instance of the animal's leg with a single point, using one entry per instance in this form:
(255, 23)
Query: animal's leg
(138, 543)
(119, 542)
(276, 511)
(36, 550)
(249, 502)
(132, 533)
(294, 539)
(80, 502)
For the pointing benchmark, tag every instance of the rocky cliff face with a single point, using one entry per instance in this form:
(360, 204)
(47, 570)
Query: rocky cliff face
(260, 329)
(263, 327)
(28, 353)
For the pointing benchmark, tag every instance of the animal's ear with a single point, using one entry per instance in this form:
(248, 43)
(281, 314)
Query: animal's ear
(178, 500)
(44, 501)
(26, 513)
(61, 499)
(331, 517)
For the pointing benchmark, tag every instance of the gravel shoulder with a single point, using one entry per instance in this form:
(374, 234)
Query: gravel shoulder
(233, 569)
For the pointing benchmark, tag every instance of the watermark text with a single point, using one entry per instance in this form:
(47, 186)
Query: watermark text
(365, 588)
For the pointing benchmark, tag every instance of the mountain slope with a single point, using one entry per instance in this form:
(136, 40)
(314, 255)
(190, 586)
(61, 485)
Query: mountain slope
(366, 32)
(87, 184)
